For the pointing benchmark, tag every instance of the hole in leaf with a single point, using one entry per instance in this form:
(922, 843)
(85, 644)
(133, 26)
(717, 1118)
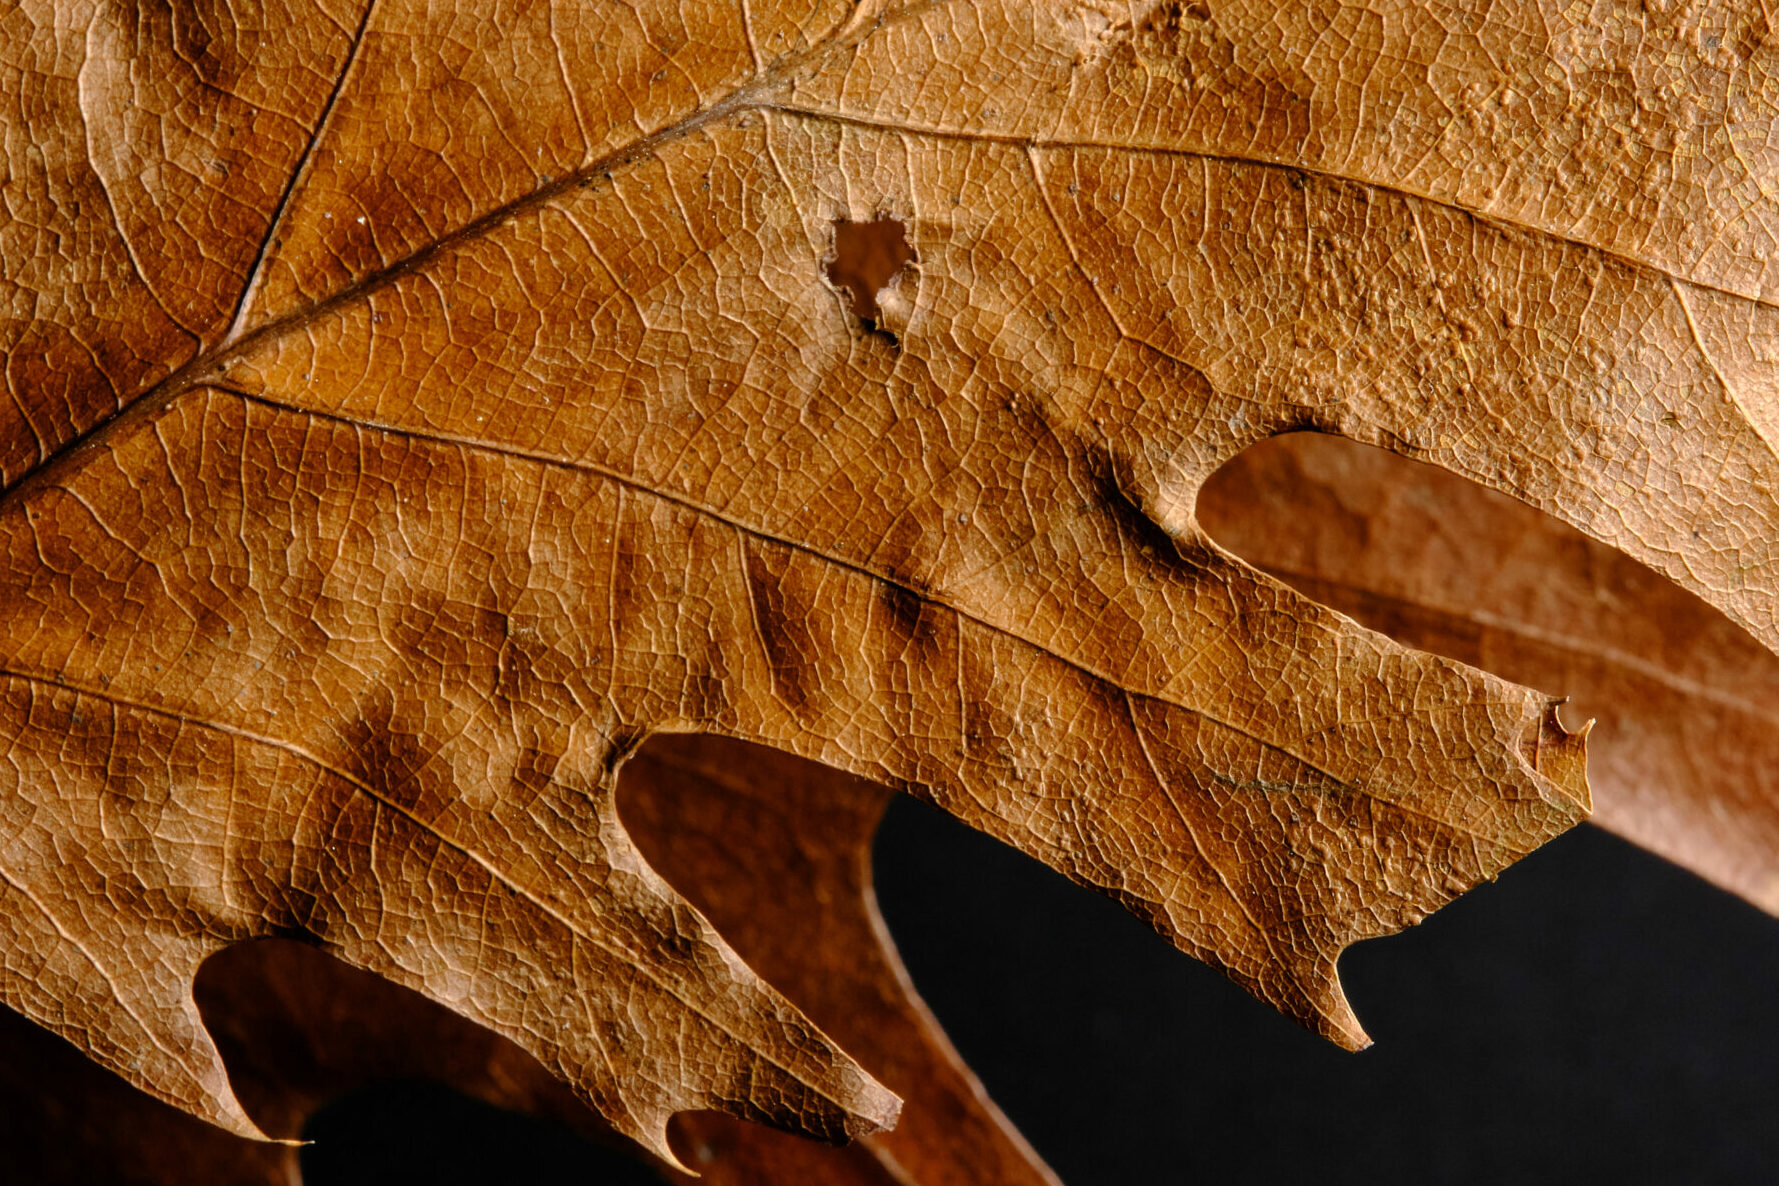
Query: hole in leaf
(867, 256)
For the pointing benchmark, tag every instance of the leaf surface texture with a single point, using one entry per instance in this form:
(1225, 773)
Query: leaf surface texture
(406, 422)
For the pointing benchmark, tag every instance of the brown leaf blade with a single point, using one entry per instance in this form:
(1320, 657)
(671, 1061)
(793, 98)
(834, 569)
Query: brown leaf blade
(1683, 753)
(572, 441)
(1643, 134)
(441, 916)
(146, 151)
(774, 850)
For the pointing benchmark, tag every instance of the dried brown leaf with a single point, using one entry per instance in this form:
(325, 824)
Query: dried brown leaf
(511, 416)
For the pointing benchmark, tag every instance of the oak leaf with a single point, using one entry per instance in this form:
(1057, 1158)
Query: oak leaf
(407, 420)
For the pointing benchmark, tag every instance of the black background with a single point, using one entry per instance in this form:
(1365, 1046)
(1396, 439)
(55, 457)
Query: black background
(1596, 1015)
